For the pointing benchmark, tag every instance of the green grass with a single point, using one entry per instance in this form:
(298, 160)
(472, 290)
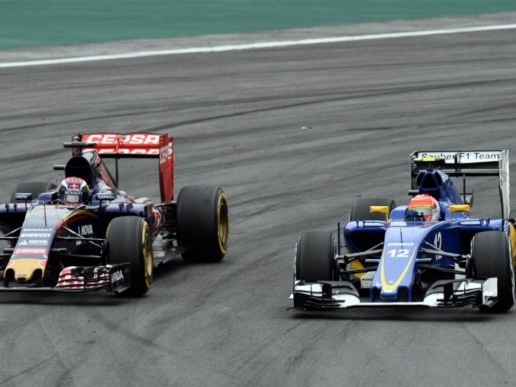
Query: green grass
(56, 22)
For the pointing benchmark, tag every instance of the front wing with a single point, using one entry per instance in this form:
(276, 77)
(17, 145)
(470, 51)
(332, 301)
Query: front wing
(331, 295)
(112, 278)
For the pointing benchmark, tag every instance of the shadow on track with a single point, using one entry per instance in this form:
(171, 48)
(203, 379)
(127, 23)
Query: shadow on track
(403, 314)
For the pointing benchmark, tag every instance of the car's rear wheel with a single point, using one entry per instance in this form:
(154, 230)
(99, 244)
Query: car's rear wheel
(315, 256)
(203, 223)
(361, 209)
(129, 240)
(490, 257)
(32, 187)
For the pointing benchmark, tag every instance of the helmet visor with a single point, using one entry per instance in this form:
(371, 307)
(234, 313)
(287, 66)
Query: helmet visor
(72, 198)
(424, 213)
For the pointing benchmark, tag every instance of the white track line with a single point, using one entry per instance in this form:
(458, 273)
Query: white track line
(251, 46)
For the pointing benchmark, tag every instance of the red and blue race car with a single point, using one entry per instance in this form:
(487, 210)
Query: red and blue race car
(429, 253)
(86, 234)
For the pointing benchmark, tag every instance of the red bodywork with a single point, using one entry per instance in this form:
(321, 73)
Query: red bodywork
(134, 145)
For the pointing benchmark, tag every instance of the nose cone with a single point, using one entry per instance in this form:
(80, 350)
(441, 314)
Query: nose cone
(25, 270)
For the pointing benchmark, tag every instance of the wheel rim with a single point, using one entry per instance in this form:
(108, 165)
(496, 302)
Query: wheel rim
(222, 223)
(147, 255)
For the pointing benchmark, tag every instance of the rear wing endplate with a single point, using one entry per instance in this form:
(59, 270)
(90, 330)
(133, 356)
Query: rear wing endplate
(464, 164)
(132, 145)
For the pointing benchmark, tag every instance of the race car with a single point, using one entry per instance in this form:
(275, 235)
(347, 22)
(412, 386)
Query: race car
(86, 234)
(429, 253)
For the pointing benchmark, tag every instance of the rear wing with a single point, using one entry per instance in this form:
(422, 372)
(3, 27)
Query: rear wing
(464, 164)
(132, 145)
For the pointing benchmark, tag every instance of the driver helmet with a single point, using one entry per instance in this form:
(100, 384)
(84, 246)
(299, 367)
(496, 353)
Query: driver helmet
(424, 207)
(74, 191)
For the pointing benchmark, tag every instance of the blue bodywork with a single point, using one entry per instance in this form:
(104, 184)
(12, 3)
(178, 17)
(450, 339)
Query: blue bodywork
(409, 247)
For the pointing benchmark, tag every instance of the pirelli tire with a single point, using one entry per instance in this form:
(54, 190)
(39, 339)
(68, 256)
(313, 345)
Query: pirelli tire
(129, 240)
(491, 257)
(315, 257)
(361, 209)
(32, 187)
(203, 223)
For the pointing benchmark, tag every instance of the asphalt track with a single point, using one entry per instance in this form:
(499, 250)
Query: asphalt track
(294, 135)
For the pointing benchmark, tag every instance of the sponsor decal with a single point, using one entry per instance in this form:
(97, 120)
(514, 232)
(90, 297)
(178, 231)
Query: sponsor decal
(464, 157)
(117, 276)
(39, 242)
(81, 278)
(125, 151)
(35, 235)
(124, 140)
(37, 230)
(23, 196)
(131, 144)
(33, 242)
(399, 249)
(438, 242)
(85, 230)
(400, 244)
(165, 153)
(106, 196)
(69, 280)
(30, 251)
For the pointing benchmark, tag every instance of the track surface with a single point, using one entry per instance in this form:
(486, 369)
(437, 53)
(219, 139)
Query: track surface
(294, 136)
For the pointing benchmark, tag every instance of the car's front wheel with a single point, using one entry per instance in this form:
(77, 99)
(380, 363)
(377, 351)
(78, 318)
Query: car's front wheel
(490, 257)
(315, 254)
(129, 240)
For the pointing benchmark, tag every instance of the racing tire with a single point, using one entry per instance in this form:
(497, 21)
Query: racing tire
(32, 187)
(129, 240)
(491, 257)
(203, 223)
(315, 256)
(360, 210)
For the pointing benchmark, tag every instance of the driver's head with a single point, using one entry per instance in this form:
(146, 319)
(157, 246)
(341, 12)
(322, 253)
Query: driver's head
(74, 191)
(424, 207)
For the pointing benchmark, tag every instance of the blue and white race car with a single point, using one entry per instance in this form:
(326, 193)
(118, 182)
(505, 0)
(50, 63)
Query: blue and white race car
(429, 253)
